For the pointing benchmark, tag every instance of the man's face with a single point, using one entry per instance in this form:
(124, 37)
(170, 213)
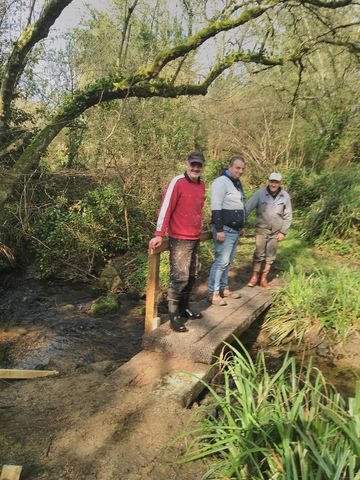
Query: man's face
(237, 169)
(273, 185)
(194, 170)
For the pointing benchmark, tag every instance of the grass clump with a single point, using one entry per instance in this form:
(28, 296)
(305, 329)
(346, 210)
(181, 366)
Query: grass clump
(327, 296)
(285, 425)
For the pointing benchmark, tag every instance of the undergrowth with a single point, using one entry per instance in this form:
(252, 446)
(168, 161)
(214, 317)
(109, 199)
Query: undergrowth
(284, 425)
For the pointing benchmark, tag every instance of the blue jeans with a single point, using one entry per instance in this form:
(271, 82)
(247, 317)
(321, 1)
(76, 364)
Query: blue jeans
(224, 254)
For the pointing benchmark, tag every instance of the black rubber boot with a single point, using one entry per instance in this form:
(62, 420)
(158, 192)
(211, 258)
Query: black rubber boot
(185, 310)
(176, 322)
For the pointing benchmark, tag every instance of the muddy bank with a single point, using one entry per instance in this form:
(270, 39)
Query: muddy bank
(48, 324)
(87, 424)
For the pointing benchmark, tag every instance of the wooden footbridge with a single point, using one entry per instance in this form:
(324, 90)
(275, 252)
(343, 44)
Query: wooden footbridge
(194, 351)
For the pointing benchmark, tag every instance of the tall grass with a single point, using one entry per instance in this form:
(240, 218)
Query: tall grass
(288, 425)
(327, 296)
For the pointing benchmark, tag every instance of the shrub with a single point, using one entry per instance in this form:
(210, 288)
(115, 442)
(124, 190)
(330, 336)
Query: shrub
(330, 204)
(70, 239)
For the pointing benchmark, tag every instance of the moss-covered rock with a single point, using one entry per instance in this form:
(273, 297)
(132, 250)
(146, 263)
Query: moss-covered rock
(105, 304)
(110, 279)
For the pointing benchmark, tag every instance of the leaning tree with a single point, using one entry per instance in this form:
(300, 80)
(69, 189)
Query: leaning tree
(22, 148)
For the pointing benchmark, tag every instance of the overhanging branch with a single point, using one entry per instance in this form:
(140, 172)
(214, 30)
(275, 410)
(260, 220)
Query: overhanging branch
(17, 61)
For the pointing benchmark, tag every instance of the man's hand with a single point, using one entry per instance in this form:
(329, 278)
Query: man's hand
(220, 236)
(280, 236)
(155, 242)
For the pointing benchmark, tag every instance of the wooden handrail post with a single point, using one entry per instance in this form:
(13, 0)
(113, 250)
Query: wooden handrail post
(152, 292)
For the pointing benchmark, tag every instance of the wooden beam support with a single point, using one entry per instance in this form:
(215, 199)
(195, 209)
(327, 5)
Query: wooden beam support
(152, 291)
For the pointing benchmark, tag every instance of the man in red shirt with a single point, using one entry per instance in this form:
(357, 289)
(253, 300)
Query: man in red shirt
(181, 215)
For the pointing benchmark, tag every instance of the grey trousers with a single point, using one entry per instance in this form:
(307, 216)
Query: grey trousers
(266, 246)
(183, 267)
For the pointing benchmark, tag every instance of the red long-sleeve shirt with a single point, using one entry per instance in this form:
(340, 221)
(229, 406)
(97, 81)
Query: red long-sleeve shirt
(181, 209)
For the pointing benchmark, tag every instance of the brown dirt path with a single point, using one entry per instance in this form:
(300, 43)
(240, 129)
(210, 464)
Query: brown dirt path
(89, 426)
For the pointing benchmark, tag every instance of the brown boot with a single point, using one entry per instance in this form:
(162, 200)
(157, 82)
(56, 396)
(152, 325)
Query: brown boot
(256, 274)
(216, 299)
(254, 279)
(263, 281)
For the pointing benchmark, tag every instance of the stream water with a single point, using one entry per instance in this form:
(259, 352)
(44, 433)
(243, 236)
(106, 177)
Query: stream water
(46, 324)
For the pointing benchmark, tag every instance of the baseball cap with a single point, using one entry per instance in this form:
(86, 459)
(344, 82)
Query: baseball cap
(197, 157)
(275, 176)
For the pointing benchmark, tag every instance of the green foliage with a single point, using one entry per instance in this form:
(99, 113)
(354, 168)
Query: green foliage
(283, 425)
(11, 236)
(71, 238)
(328, 296)
(328, 203)
(134, 274)
(337, 210)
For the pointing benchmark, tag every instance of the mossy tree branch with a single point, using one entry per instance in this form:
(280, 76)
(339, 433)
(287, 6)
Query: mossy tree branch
(16, 64)
(196, 40)
(117, 89)
(144, 83)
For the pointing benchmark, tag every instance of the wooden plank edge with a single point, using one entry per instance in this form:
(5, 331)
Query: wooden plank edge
(18, 374)
(10, 472)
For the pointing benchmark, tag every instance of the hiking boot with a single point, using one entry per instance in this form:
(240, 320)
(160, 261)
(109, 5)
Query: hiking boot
(254, 279)
(216, 299)
(224, 293)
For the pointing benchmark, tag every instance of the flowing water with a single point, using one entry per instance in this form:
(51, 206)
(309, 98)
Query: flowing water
(47, 324)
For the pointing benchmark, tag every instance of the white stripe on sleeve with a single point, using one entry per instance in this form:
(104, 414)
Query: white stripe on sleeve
(166, 202)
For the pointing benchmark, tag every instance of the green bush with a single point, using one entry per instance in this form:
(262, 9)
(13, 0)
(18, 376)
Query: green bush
(71, 238)
(329, 203)
(11, 236)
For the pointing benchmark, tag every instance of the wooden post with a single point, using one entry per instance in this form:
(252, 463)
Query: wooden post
(152, 292)
(10, 472)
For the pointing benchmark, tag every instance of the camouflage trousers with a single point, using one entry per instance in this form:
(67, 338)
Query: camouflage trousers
(183, 267)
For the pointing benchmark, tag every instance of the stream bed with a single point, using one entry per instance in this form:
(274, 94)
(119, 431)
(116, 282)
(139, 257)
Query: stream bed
(47, 325)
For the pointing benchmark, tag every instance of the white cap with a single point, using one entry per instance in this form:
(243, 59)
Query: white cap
(275, 176)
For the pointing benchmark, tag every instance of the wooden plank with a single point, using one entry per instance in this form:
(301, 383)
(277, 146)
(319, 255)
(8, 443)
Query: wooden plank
(10, 472)
(152, 320)
(208, 334)
(23, 374)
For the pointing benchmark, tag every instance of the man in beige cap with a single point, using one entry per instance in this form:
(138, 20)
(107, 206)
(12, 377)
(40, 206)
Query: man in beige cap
(273, 219)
